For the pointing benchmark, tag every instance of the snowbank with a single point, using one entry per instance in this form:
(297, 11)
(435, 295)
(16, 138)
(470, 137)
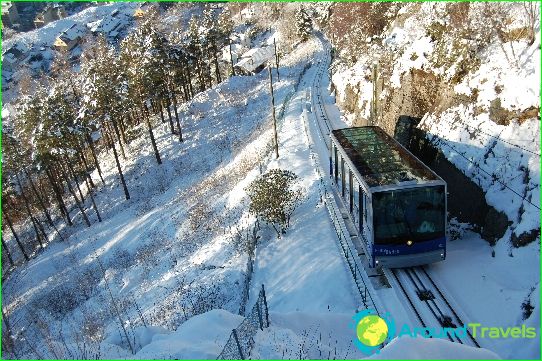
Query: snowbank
(408, 348)
(201, 337)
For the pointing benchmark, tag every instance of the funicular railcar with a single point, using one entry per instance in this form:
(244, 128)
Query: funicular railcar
(396, 202)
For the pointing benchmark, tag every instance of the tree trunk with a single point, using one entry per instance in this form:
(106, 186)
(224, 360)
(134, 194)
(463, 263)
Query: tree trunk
(122, 181)
(85, 166)
(122, 128)
(170, 117)
(189, 76)
(162, 112)
(151, 134)
(177, 118)
(58, 194)
(93, 151)
(74, 176)
(5, 246)
(77, 203)
(17, 239)
(27, 206)
(217, 68)
(117, 133)
(92, 200)
(42, 204)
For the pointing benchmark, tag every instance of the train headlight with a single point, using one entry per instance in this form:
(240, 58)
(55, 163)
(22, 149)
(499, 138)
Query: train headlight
(409, 242)
(442, 255)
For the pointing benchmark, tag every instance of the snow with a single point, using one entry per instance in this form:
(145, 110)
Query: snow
(173, 250)
(201, 337)
(407, 348)
(171, 247)
(505, 282)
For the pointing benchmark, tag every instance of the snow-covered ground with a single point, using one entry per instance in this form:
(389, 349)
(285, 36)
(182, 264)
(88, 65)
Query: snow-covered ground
(172, 258)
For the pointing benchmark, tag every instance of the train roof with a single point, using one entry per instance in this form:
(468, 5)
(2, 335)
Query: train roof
(380, 159)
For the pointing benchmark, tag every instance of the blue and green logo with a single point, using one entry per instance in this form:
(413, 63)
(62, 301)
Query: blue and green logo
(372, 330)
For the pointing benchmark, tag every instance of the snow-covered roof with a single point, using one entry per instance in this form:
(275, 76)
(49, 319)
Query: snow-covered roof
(18, 50)
(9, 59)
(107, 26)
(255, 57)
(72, 33)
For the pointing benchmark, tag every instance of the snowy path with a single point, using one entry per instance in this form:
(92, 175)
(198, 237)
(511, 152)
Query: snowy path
(309, 288)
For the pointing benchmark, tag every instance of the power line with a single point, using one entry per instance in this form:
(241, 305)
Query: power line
(493, 176)
(502, 140)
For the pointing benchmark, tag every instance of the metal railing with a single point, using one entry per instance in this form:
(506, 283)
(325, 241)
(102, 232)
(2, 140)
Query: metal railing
(328, 199)
(241, 338)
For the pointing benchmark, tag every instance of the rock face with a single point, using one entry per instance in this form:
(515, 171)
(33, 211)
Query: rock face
(461, 189)
(525, 238)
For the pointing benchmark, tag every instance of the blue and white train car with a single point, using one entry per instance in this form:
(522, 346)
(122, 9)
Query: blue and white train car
(396, 202)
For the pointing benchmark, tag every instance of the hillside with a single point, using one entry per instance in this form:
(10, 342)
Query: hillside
(176, 260)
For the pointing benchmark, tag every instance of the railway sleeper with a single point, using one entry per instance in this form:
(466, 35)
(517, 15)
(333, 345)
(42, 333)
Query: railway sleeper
(425, 295)
(447, 322)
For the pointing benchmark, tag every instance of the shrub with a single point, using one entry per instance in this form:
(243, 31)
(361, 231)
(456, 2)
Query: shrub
(273, 198)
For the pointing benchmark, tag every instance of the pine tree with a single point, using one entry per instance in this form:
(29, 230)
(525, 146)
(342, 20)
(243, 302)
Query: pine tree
(303, 24)
(104, 99)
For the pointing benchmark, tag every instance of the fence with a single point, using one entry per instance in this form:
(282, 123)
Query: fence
(242, 338)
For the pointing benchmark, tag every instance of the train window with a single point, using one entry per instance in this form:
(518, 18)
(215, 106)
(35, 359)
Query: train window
(342, 176)
(350, 190)
(355, 199)
(336, 165)
(415, 214)
(346, 192)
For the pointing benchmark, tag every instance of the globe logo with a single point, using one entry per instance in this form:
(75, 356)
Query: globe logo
(372, 330)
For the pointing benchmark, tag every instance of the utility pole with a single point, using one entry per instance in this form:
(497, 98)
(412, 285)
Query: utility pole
(231, 60)
(273, 112)
(276, 59)
(374, 111)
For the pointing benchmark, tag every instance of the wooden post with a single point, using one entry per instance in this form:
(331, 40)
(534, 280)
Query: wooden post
(276, 59)
(374, 111)
(231, 60)
(273, 112)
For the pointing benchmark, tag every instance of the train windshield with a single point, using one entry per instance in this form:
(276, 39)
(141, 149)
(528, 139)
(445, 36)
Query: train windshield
(415, 214)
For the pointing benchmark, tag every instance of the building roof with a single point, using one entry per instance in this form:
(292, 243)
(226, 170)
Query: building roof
(72, 33)
(380, 159)
(255, 57)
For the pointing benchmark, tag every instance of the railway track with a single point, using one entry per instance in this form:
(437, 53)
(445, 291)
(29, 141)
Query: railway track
(427, 301)
(422, 294)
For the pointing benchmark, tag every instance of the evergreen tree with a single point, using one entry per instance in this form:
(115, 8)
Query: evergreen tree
(303, 24)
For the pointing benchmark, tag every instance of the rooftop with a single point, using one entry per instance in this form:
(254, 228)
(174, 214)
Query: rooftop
(255, 57)
(380, 159)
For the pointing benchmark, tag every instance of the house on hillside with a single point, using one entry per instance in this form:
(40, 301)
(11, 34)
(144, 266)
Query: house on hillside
(49, 14)
(236, 51)
(143, 9)
(69, 38)
(13, 56)
(10, 14)
(253, 61)
(110, 27)
(241, 39)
